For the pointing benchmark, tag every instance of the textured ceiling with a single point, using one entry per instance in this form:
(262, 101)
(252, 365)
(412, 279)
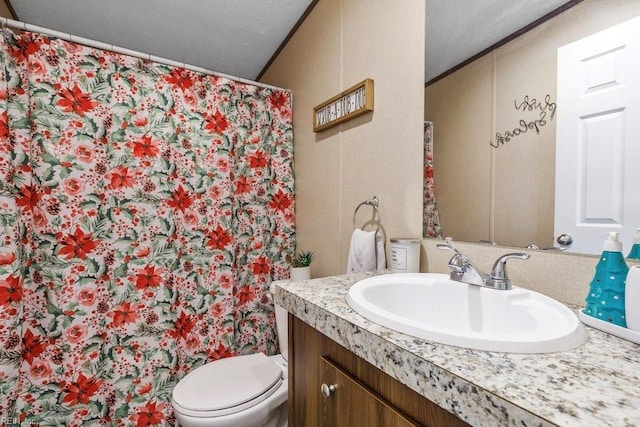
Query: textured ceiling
(458, 29)
(238, 37)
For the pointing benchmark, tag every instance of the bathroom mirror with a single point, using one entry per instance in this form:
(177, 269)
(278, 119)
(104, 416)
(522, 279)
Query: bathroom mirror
(494, 132)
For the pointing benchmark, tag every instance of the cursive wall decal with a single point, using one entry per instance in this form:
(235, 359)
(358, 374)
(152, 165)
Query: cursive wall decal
(544, 108)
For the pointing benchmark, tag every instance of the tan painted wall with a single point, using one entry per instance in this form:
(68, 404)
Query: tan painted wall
(341, 43)
(471, 105)
(4, 10)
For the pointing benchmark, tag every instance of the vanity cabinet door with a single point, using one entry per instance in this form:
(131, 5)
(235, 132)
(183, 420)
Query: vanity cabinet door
(349, 403)
(366, 396)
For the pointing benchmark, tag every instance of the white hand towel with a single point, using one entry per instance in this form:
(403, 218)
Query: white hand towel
(382, 259)
(362, 252)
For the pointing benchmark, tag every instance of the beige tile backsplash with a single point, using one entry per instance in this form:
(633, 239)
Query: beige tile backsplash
(564, 277)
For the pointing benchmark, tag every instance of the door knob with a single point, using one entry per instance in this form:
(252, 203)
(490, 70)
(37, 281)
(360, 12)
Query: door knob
(327, 389)
(564, 240)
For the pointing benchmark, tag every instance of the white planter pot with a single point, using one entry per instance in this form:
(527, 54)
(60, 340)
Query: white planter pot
(300, 273)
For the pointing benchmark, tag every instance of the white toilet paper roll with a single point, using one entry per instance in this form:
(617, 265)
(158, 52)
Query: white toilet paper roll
(632, 298)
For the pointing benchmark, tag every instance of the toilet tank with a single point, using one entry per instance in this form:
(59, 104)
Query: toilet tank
(282, 321)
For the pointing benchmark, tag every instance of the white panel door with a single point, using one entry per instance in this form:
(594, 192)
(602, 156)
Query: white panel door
(598, 138)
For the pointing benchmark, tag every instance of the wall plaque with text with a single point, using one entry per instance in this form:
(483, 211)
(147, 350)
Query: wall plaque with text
(353, 102)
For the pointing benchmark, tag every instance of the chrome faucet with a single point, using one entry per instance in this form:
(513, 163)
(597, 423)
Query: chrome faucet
(462, 270)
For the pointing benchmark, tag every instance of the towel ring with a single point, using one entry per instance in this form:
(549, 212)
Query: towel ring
(374, 203)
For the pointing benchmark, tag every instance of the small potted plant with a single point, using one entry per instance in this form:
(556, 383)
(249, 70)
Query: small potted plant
(301, 266)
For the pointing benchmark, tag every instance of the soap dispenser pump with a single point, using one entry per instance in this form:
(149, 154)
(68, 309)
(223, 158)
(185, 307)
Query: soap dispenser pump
(635, 249)
(606, 291)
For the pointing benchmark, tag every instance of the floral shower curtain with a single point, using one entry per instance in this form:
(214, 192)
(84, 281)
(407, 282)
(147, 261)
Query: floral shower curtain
(144, 210)
(430, 218)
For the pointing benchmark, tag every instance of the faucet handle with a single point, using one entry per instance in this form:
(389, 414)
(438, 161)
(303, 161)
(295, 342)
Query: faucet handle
(498, 279)
(458, 261)
(447, 247)
(462, 270)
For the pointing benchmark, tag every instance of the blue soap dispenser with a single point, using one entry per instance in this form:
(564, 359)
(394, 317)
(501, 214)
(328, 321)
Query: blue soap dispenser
(606, 291)
(635, 249)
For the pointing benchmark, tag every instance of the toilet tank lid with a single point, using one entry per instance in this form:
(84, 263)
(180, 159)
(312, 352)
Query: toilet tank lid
(227, 382)
(272, 287)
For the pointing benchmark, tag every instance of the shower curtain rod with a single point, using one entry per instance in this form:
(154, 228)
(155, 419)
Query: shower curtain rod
(117, 49)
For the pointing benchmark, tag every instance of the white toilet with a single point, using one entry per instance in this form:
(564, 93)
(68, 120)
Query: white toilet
(241, 391)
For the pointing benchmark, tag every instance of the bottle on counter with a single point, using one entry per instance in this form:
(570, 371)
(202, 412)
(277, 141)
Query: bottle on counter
(606, 298)
(632, 299)
(635, 249)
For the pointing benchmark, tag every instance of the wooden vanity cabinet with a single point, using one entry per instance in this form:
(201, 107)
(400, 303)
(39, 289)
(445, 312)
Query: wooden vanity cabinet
(362, 395)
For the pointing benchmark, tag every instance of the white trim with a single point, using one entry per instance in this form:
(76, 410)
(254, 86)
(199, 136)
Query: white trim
(105, 46)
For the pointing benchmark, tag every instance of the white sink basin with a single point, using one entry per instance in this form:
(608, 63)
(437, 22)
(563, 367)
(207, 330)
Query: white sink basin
(432, 307)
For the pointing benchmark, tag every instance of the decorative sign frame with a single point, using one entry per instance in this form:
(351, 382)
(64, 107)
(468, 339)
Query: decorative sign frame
(353, 102)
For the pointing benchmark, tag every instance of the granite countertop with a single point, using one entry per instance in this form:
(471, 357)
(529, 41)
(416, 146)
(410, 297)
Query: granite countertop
(597, 384)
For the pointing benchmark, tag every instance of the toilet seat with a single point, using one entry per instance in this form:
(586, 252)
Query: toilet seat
(227, 386)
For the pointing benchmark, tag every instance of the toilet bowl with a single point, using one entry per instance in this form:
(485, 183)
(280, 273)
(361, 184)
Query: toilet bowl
(240, 391)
